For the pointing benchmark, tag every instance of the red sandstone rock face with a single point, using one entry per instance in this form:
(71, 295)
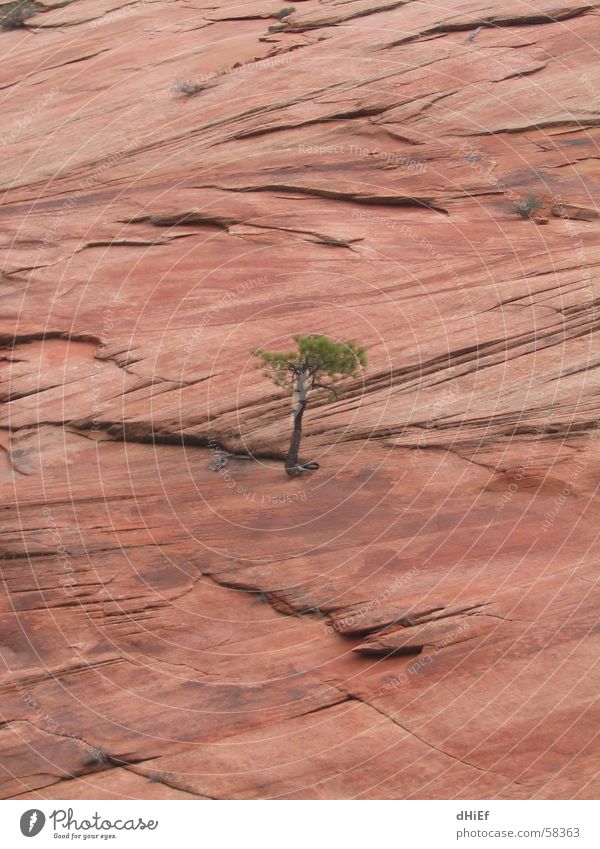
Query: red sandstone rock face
(418, 619)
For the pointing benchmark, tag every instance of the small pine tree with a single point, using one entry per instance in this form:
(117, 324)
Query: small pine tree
(317, 364)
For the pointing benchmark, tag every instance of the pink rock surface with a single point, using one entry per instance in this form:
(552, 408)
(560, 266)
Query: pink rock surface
(419, 618)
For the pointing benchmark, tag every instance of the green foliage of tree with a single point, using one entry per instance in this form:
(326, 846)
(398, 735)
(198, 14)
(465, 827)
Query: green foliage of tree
(318, 364)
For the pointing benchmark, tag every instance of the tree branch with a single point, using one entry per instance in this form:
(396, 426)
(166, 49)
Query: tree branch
(327, 387)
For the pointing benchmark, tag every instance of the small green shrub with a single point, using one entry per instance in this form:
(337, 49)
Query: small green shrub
(96, 756)
(283, 13)
(14, 15)
(527, 206)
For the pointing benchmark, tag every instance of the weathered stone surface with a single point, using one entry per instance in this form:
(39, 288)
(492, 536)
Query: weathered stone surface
(412, 639)
(172, 631)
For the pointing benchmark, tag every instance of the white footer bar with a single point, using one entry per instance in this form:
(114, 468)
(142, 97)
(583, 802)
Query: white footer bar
(302, 824)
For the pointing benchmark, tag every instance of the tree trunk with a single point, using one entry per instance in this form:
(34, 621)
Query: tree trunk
(300, 400)
(291, 462)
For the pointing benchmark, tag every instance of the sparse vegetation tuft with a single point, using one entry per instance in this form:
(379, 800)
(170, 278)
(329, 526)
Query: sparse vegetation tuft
(283, 13)
(188, 87)
(96, 756)
(14, 15)
(527, 206)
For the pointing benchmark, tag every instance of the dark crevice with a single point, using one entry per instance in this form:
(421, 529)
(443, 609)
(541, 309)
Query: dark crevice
(497, 22)
(423, 202)
(392, 718)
